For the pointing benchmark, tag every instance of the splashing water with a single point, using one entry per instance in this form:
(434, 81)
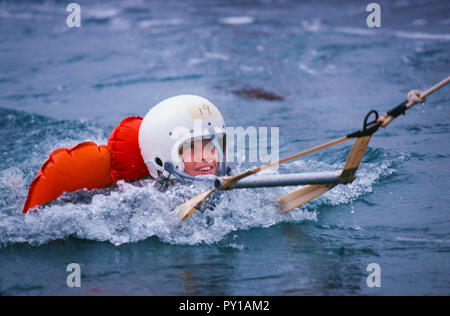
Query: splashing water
(131, 213)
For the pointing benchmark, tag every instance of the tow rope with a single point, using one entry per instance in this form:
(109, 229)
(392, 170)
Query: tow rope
(307, 193)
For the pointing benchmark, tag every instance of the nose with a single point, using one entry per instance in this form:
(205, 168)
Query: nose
(209, 153)
(207, 156)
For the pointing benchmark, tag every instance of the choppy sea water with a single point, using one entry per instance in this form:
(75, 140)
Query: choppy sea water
(312, 68)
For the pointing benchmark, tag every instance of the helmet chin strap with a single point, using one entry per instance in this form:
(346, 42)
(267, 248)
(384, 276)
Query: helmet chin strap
(162, 183)
(180, 176)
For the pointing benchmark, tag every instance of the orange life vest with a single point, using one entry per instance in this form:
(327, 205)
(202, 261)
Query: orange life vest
(90, 166)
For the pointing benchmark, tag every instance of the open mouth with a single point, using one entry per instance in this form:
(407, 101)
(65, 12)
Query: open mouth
(204, 169)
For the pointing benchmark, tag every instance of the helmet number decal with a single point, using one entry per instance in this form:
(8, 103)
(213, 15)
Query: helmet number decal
(203, 111)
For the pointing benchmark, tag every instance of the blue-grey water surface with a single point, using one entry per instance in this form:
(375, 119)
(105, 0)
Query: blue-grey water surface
(60, 86)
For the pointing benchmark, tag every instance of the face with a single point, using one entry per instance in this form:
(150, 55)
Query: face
(200, 158)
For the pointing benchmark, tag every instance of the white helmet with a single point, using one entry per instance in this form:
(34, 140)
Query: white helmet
(172, 123)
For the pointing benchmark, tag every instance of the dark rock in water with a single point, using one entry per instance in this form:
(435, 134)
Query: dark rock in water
(258, 93)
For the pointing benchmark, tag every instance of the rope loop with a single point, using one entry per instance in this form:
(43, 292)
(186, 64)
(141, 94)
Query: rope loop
(414, 97)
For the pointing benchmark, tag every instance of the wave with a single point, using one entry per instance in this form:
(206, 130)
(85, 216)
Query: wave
(399, 34)
(161, 22)
(237, 20)
(144, 79)
(132, 213)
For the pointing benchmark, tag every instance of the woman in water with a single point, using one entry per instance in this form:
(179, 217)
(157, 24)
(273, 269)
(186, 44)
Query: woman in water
(179, 139)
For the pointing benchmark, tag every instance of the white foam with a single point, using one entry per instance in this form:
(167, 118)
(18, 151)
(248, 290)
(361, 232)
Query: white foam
(354, 30)
(217, 56)
(419, 22)
(426, 36)
(306, 69)
(237, 20)
(251, 68)
(422, 240)
(196, 61)
(162, 22)
(13, 188)
(400, 34)
(101, 13)
(131, 214)
(314, 26)
(119, 24)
